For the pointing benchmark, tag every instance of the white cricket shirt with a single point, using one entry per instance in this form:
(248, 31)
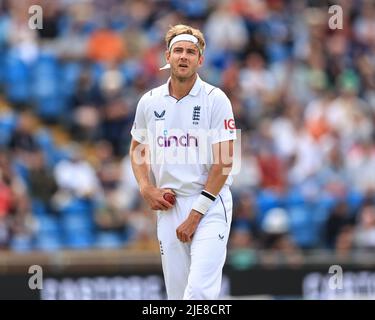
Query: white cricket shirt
(180, 134)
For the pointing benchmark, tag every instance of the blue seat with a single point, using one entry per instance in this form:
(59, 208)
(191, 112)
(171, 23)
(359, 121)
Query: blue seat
(69, 75)
(21, 170)
(76, 222)
(191, 9)
(294, 198)
(48, 225)
(58, 155)
(44, 139)
(130, 70)
(45, 65)
(38, 208)
(302, 227)
(50, 108)
(78, 205)
(108, 239)
(47, 88)
(7, 125)
(265, 201)
(355, 200)
(97, 70)
(17, 79)
(48, 242)
(79, 240)
(21, 243)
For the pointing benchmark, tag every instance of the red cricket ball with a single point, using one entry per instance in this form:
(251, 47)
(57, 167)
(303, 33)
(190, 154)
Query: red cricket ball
(170, 197)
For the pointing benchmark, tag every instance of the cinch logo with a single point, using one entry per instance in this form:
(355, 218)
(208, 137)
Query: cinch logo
(183, 141)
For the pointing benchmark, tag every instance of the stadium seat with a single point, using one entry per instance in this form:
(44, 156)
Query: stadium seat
(48, 225)
(266, 200)
(302, 227)
(7, 125)
(355, 200)
(80, 239)
(17, 79)
(48, 243)
(38, 208)
(69, 75)
(130, 71)
(50, 108)
(47, 87)
(108, 239)
(21, 243)
(76, 222)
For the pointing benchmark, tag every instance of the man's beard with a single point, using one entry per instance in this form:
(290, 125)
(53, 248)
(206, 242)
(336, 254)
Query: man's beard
(184, 78)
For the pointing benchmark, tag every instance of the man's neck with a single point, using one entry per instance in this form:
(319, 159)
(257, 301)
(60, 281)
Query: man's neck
(179, 88)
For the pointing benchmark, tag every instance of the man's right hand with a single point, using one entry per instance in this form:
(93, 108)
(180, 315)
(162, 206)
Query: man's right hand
(154, 197)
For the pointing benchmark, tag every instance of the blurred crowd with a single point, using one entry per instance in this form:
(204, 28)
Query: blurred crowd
(303, 96)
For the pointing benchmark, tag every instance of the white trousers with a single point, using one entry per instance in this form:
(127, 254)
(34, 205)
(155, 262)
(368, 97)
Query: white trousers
(193, 270)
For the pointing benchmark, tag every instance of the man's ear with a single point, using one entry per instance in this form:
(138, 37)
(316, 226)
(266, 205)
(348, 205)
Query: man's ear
(200, 60)
(167, 55)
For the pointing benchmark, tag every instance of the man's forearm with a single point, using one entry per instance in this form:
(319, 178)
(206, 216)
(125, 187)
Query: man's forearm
(217, 177)
(141, 168)
(141, 173)
(219, 171)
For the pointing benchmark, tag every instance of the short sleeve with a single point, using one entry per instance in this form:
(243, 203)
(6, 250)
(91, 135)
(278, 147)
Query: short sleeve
(139, 129)
(223, 126)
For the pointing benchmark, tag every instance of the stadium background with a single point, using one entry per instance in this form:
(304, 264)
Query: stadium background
(303, 96)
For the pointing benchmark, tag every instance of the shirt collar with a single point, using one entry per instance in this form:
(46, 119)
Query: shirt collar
(193, 92)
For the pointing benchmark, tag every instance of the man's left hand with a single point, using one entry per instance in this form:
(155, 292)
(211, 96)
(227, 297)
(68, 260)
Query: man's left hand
(187, 229)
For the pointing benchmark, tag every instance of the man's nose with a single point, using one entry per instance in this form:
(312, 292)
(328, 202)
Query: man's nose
(183, 55)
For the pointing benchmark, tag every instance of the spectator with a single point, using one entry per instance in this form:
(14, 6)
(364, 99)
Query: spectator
(128, 188)
(333, 177)
(347, 114)
(23, 140)
(271, 166)
(21, 38)
(345, 242)
(257, 85)
(42, 184)
(340, 217)
(106, 46)
(245, 217)
(76, 176)
(277, 240)
(360, 161)
(364, 233)
(6, 196)
(242, 253)
(226, 30)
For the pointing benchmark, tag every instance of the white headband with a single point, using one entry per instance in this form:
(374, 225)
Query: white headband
(181, 37)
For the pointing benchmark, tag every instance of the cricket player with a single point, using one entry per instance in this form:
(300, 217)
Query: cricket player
(184, 130)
